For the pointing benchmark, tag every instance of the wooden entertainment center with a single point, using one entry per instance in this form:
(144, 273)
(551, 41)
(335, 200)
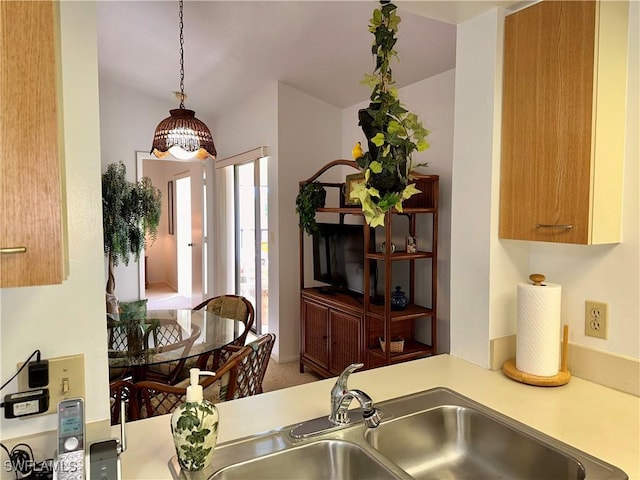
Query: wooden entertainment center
(338, 328)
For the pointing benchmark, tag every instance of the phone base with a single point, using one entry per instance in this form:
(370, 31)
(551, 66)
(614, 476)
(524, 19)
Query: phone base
(104, 461)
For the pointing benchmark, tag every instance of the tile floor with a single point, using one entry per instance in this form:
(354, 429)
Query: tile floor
(163, 297)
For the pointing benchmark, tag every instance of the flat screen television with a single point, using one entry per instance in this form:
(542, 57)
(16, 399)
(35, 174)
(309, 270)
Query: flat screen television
(338, 257)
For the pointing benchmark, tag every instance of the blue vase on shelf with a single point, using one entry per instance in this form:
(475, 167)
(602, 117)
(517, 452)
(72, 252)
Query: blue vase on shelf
(399, 300)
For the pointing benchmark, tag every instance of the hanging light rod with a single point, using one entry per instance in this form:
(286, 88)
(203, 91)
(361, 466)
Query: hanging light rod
(182, 134)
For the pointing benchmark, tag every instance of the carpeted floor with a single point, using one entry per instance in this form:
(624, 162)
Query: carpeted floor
(283, 375)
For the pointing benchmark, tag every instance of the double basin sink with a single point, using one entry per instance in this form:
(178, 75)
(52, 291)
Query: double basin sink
(435, 434)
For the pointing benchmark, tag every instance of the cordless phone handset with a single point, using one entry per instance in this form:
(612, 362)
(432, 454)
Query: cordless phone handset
(71, 440)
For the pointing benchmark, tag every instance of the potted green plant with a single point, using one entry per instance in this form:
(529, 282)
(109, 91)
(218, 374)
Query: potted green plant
(130, 216)
(310, 197)
(392, 132)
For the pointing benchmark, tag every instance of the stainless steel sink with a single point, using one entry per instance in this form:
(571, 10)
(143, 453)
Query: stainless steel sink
(322, 459)
(436, 434)
(461, 442)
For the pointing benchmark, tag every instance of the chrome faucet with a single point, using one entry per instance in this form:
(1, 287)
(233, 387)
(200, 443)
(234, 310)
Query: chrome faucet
(341, 397)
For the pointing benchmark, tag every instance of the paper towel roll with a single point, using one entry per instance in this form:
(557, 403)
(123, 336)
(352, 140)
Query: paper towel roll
(538, 330)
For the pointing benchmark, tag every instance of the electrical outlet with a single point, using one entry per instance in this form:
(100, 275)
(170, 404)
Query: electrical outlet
(66, 380)
(596, 319)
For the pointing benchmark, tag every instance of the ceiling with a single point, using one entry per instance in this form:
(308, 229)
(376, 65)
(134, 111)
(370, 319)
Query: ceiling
(232, 48)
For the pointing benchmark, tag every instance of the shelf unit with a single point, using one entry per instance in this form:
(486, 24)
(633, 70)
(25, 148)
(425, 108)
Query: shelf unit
(338, 329)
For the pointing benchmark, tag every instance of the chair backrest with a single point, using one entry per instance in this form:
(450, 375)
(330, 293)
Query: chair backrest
(254, 367)
(122, 390)
(168, 336)
(124, 326)
(156, 398)
(165, 337)
(159, 334)
(232, 306)
(118, 340)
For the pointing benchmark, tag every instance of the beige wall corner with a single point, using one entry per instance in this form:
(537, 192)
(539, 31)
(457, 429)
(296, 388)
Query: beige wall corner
(500, 350)
(614, 371)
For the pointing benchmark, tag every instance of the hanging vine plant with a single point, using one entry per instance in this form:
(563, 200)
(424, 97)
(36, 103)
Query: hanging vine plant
(393, 133)
(310, 197)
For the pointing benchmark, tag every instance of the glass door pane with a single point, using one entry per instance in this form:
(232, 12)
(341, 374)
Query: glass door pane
(248, 214)
(263, 220)
(245, 232)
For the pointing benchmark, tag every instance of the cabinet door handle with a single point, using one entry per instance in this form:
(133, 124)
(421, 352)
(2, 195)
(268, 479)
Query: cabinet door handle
(8, 250)
(552, 225)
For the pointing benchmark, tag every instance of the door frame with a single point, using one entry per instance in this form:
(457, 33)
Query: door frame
(140, 157)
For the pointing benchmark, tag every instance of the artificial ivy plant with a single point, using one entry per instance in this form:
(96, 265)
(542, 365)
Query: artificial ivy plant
(130, 216)
(393, 133)
(310, 197)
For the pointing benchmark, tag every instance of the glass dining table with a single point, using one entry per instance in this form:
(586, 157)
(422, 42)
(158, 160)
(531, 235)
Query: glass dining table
(166, 337)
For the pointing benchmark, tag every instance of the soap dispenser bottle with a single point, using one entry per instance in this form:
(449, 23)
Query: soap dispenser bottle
(194, 426)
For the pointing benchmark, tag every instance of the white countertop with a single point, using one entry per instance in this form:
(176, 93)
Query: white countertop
(597, 420)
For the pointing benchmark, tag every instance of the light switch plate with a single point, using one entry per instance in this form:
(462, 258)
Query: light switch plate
(66, 380)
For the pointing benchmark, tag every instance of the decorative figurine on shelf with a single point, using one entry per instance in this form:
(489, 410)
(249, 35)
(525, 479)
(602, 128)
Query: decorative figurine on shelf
(412, 244)
(383, 247)
(399, 300)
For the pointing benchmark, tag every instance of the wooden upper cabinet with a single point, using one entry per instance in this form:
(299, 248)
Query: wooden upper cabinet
(30, 181)
(563, 122)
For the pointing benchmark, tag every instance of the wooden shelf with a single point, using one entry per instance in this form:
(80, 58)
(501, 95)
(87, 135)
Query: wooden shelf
(412, 350)
(348, 210)
(358, 210)
(399, 256)
(410, 313)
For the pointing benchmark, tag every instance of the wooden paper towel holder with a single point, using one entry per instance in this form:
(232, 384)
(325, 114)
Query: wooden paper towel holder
(561, 378)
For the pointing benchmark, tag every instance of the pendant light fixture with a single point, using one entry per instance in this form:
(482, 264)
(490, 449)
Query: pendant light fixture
(182, 134)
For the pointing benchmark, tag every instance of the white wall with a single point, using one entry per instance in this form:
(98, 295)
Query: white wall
(248, 125)
(69, 318)
(432, 100)
(301, 133)
(485, 270)
(309, 136)
(477, 58)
